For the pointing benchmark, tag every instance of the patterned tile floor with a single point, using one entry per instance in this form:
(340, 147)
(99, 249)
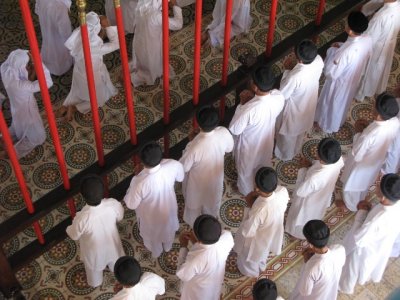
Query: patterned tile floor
(59, 274)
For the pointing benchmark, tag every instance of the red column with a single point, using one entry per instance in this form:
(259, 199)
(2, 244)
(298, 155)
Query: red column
(165, 51)
(321, 8)
(18, 174)
(125, 70)
(81, 4)
(271, 27)
(196, 59)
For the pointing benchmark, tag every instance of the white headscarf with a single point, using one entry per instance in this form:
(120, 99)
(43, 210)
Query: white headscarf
(14, 68)
(38, 4)
(146, 6)
(74, 42)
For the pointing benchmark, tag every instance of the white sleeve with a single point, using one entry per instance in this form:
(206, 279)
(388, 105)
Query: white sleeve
(133, 196)
(288, 85)
(113, 44)
(180, 173)
(76, 229)
(239, 121)
(188, 269)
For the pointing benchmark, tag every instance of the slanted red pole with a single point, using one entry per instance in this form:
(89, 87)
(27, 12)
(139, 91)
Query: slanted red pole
(81, 4)
(165, 51)
(321, 8)
(18, 174)
(196, 58)
(125, 71)
(271, 27)
(227, 46)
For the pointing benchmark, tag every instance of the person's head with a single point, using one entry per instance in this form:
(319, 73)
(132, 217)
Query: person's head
(16, 67)
(207, 118)
(263, 80)
(151, 154)
(306, 51)
(92, 189)
(264, 289)
(207, 229)
(127, 271)
(266, 181)
(329, 151)
(388, 191)
(357, 23)
(93, 23)
(317, 233)
(386, 107)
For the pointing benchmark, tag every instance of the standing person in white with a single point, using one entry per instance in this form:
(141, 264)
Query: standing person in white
(152, 195)
(128, 8)
(203, 162)
(253, 126)
(392, 162)
(344, 67)
(369, 151)
(19, 79)
(240, 21)
(147, 58)
(369, 242)
(314, 188)
(202, 268)
(135, 285)
(261, 230)
(56, 28)
(320, 275)
(78, 97)
(299, 86)
(95, 226)
(383, 29)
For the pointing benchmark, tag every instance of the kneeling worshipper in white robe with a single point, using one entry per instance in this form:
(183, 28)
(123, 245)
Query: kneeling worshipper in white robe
(253, 127)
(264, 289)
(344, 67)
(135, 284)
(314, 188)
(56, 28)
(299, 86)
(369, 151)
(95, 226)
(383, 29)
(240, 21)
(152, 195)
(370, 241)
(320, 275)
(128, 8)
(392, 163)
(203, 162)
(78, 97)
(202, 268)
(19, 79)
(261, 230)
(147, 57)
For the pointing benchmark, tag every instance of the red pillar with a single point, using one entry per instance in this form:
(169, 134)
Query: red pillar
(321, 8)
(165, 52)
(81, 4)
(196, 59)
(125, 71)
(271, 27)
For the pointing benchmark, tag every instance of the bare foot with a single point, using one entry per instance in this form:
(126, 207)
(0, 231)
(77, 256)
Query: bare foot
(61, 112)
(204, 37)
(70, 113)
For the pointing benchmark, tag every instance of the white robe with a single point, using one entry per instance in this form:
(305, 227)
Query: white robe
(371, 7)
(240, 21)
(152, 195)
(149, 286)
(319, 277)
(202, 270)
(392, 163)
(383, 29)
(203, 162)
(96, 229)
(254, 127)
(147, 58)
(367, 157)
(79, 93)
(300, 87)
(55, 27)
(128, 8)
(344, 67)
(261, 232)
(369, 245)
(26, 128)
(312, 196)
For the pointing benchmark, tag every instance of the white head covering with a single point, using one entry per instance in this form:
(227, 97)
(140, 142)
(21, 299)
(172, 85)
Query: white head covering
(14, 68)
(146, 6)
(74, 42)
(39, 4)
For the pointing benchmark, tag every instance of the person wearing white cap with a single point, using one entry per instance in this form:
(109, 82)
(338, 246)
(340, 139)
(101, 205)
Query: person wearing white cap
(19, 79)
(56, 28)
(78, 97)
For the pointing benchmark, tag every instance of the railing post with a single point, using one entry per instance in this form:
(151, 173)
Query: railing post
(165, 51)
(196, 59)
(125, 71)
(81, 4)
(271, 27)
(321, 8)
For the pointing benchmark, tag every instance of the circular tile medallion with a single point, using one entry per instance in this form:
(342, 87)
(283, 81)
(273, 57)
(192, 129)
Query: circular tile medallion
(61, 253)
(79, 156)
(65, 132)
(11, 197)
(287, 171)
(158, 100)
(345, 134)
(177, 63)
(186, 83)
(214, 68)
(362, 111)
(232, 211)
(47, 176)
(48, 294)
(169, 260)
(5, 170)
(290, 23)
(144, 117)
(76, 280)
(29, 275)
(310, 149)
(32, 157)
(85, 120)
(112, 136)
